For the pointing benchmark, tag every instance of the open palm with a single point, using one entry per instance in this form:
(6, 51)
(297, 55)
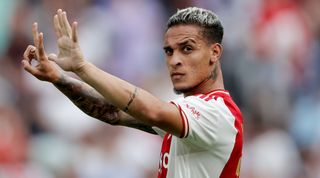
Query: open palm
(70, 57)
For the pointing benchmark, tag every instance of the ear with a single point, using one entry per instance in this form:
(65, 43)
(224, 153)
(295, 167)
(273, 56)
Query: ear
(215, 52)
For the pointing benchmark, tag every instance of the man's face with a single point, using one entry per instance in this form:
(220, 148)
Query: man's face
(187, 56)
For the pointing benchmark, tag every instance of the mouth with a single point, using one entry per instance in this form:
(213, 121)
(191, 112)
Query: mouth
(177, 75)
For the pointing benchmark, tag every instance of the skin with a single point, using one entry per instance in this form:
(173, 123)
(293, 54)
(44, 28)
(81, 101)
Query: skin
(81, 94)
(190, 60)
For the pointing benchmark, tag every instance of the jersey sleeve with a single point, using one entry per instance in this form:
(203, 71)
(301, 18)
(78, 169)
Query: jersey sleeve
(205, 122)
(159, 131)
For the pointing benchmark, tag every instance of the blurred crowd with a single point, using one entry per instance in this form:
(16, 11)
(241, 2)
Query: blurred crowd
(271, 65)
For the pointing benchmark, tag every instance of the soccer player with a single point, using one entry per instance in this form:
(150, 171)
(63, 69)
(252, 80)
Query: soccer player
(202, 130)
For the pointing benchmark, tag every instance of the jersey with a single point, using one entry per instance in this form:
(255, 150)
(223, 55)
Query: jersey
(211, 143)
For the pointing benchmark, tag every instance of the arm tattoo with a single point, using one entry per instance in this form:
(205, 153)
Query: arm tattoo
(127, 120)
(87, 99)
(131, 99)
(94, 104)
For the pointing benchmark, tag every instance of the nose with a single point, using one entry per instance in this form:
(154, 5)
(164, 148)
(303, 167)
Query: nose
(174, 60)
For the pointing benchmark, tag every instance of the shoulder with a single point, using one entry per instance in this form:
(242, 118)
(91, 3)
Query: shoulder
(214, 99)
(208, 118)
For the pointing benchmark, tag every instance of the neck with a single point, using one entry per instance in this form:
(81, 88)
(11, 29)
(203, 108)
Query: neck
(207, 85)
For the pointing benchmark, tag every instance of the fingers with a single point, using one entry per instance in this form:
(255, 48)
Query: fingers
(75, 32)
(58, 24)
(28, 67)
(59, 13)
(57, 27)
(62, 23)
(42, 54)
(35, 34)
(36, 52)
(66, 23)
(30, 53)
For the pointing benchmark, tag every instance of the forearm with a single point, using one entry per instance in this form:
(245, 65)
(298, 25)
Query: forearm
(120, 92)
(95, 105)
(144, 106)
(87, 99)
(129, 121)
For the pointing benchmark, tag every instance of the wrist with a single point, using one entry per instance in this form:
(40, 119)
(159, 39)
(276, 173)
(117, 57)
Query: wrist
(60, 79)
(56, 76)
(80, 68)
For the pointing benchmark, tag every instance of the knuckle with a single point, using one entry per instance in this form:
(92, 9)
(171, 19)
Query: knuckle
(25, 54)
(36, 73)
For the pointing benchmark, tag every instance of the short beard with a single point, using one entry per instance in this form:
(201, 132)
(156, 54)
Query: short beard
(212, 76)
(182, 91)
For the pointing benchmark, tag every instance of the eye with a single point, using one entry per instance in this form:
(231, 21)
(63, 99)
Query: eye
(168, 51)
(187, 49)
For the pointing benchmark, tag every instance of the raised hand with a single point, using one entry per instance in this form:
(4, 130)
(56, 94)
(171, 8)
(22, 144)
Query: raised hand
(45, 70)
(70, 56)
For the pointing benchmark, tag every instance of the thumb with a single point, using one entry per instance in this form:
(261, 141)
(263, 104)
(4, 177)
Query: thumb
(28, 67)
(52, 57)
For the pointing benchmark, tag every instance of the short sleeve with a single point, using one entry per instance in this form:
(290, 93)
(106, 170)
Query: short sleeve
(159, 131)
(205, 122)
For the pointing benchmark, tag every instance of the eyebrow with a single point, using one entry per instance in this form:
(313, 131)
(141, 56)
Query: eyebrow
(182, 43)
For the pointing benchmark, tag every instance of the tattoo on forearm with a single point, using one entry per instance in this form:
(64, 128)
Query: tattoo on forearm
(88, 100)
(129, 121)
(133, 96)
(94, 104)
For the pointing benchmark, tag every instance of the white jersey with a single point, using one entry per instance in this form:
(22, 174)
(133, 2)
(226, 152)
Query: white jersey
(211, 143)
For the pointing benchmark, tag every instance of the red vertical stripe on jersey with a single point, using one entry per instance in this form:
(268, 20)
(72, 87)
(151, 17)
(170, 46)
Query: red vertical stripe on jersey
(185, 124)
(164, 156)
(230, 169)
(233, 164)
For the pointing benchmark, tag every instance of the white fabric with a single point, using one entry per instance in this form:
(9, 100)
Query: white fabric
(209, 138)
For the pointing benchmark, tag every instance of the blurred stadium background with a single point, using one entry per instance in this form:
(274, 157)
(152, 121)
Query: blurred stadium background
(271, 66)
